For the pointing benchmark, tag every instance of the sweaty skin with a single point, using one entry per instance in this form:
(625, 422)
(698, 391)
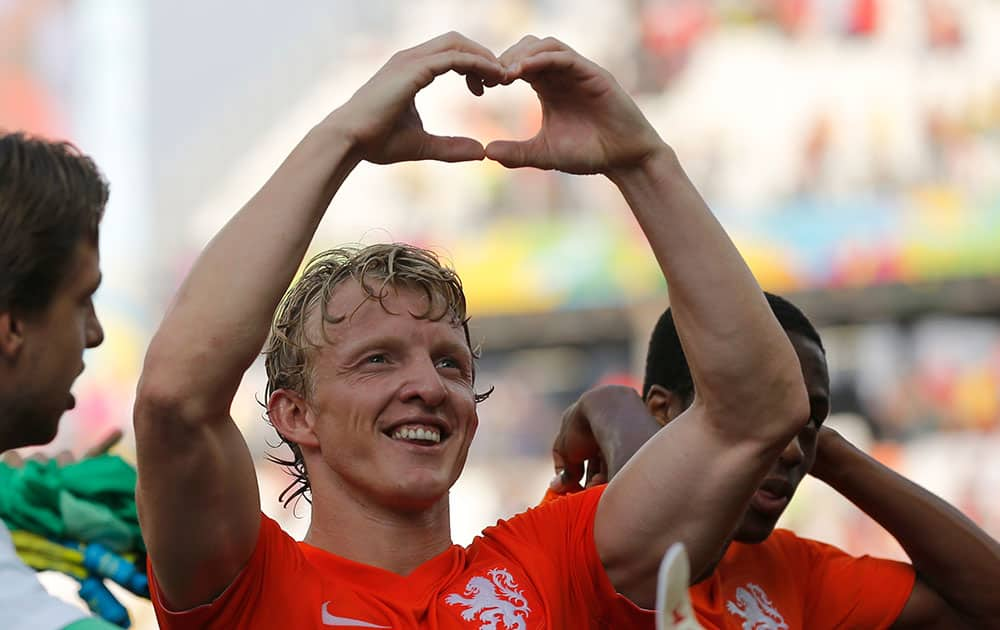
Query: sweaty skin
(956, 561)
(198, 498)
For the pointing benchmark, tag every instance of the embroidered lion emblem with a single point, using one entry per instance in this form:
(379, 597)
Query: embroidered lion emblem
(753, 605)
(493, 601)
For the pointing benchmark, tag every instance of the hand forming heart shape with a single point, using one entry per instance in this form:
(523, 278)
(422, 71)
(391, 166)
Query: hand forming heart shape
(589, 123)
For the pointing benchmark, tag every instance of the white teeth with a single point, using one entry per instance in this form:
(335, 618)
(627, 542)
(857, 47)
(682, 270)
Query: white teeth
(428, 434)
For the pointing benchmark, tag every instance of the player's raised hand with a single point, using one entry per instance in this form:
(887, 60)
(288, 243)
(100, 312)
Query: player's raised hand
(589, 123)
(381, 120)
(831, 447)
(600, 431)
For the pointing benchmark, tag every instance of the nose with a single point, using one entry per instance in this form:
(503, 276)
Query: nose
(423, 383)
(793, 454)
(95, 332)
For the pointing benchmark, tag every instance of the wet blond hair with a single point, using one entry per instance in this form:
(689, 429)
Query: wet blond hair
(378, 270)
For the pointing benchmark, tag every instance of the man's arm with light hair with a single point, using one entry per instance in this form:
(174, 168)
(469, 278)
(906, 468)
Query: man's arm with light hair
(198, 498)
(692, 480)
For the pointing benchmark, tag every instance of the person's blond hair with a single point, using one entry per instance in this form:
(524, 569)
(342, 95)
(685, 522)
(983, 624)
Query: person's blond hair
(377, 269)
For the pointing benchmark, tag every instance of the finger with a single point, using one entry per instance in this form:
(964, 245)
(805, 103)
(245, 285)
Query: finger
(595, 467)
(104, 445)
(450, 149)
(64, 457)
(13, 459)
(475, 84)
(495, 82)
(517, 51)
(531, 46)
(568, 468)
(597, 480)
(449, 41)
(463, 63)
(568, 472)
(516, 153)
(555, 61)
(562, 484)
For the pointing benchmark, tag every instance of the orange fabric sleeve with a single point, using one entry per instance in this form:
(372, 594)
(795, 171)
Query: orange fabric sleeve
(555, 544)
(550, 495)
(276, 556)
(854, 592)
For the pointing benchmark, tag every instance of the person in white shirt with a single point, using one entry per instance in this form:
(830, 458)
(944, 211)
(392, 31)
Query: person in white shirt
(52, 200)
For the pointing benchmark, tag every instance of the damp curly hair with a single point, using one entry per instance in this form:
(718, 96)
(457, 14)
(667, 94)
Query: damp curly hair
(377, 269)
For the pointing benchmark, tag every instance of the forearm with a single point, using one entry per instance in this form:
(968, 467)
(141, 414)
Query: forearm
(949, 552)
(620, 423)
(735, 348)
(221, 315)
(750, 395)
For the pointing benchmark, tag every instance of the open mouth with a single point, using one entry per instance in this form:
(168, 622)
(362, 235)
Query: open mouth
(768, 503)
(772, 496)
(419, 434)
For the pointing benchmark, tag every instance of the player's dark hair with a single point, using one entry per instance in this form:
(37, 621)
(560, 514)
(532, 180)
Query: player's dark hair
(667, 366)
(52, 196)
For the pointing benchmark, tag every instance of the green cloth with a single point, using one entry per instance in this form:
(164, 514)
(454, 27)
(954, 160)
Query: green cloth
(92, 500)
(91, 623)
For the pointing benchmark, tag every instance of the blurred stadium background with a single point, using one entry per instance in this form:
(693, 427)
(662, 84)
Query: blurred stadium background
(849, 146)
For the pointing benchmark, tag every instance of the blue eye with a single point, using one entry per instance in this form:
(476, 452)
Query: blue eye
(447, 363)
(376, 358)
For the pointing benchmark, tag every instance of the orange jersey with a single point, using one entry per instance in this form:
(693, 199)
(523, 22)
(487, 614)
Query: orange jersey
(539, 569)
(792, 583)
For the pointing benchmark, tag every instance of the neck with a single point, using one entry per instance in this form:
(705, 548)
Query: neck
(7, 410)
(710, 569)
(11, 418)
(364, 531)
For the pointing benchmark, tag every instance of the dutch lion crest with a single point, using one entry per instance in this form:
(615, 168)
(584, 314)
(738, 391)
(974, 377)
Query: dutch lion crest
(757, 611)
(493, 601)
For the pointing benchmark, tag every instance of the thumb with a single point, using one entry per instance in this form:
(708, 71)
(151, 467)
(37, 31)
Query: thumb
(104, 445)
(451, 149)
(514, 153)
(562, 483)
(567, 479)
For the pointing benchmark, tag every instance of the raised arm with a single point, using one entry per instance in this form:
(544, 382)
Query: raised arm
(957, 563)
(198, 497)
(693, 484)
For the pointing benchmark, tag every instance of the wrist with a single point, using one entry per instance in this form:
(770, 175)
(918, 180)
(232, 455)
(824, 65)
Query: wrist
(336, 137)
(834, 458)
(608, 399)
(659, 162)
(619, 421)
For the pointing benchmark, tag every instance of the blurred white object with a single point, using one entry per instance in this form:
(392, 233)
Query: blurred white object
(24, 603)
(673, 604)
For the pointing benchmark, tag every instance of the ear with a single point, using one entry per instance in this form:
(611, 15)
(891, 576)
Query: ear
(665, 404)
(11, 335)
(290, 416)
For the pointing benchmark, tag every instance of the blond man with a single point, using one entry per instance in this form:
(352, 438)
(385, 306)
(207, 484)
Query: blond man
(371, 377)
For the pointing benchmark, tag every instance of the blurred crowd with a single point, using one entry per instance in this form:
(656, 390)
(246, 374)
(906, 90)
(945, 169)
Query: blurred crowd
(844, 145)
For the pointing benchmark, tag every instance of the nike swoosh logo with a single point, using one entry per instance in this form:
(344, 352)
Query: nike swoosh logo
(345, 622)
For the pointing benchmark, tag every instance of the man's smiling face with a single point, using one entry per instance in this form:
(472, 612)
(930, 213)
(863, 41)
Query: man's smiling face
(391, 398)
